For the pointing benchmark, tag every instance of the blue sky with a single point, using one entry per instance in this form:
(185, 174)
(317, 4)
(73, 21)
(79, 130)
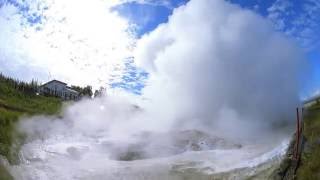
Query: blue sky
(148, 15)
(298, 19)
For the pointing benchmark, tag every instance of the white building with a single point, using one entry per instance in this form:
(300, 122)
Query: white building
(59, 89)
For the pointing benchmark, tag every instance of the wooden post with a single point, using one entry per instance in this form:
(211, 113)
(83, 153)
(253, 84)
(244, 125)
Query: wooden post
(297, 136)
(302, 121)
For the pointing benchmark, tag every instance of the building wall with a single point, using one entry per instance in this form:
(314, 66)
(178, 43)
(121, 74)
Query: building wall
(56, 86)
(70, 95)
(58, 89)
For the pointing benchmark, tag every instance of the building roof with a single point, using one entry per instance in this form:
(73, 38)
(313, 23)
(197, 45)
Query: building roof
(72, 90)
(54, 81)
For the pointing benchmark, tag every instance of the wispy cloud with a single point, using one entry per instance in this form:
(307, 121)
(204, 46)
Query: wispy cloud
(133, 79)
(164, 3)
(298, 21)
(82, 42)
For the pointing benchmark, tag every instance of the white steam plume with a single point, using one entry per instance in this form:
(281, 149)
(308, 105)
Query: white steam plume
(216, 64)
(213, 66)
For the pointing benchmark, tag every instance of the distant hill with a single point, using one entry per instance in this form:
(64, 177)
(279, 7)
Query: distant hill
(19, 98)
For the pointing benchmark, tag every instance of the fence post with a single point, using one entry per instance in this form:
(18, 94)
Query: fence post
(302, 120)
(297, 136)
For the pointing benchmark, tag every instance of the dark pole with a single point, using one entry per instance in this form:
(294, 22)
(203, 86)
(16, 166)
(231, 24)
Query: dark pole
(302, 121)
(297, 135)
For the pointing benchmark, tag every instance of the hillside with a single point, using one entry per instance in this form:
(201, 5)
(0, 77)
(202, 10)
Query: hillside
(308, 165)
(19, 99)
(310, 159)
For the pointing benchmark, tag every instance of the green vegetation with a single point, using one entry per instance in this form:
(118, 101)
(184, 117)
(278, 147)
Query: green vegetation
(19, 99)
(83, 91)
(4, 175)
(310, 160)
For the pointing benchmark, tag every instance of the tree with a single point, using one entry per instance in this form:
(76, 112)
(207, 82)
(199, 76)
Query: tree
(100, 92)
(87, 91)
(83, 91)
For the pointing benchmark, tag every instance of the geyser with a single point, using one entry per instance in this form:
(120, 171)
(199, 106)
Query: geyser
(217, 65)
(220, 77)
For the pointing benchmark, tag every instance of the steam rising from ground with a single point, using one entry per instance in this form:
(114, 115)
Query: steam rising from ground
(219, 65)
(214, 67)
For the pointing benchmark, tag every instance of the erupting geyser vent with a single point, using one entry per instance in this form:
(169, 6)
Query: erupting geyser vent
(150, 145)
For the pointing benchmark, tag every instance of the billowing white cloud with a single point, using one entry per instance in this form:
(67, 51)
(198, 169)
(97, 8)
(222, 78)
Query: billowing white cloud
(81, 42)
(221, 66)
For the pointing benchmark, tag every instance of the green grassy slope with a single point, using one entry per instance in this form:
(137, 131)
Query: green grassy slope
(15, 103)
(4, 174)
(310, 160)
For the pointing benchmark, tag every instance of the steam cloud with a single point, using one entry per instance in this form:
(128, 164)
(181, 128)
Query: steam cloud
(213, 66)
(217, 64)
